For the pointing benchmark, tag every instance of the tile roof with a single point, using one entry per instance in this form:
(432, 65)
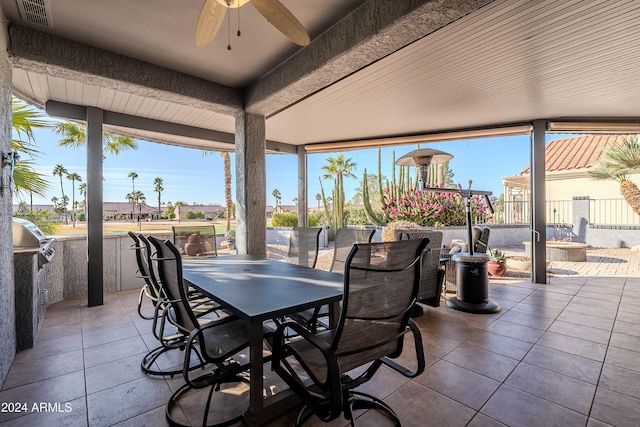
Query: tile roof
(576, 153)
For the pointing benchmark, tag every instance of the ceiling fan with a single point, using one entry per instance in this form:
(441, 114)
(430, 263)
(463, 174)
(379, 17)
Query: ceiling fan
(213, 12)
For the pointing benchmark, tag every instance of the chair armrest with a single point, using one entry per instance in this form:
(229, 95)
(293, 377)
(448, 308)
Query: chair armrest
(324, 397)
(281, 350)
(417, 338)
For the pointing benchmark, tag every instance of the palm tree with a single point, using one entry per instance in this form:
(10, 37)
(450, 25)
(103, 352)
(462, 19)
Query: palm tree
(318, 198)
(158, 188)
(75, 135)
(295, 201)
(61, 171)
(276, 193)
(131, 199)
(133, 177)
(618, 163)
(338, 169)
(82, 188)
(73, 177)
(24, 120)
(140, 198)
(227, 184)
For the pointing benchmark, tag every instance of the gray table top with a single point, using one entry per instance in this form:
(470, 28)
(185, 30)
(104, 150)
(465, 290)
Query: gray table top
(257, 289)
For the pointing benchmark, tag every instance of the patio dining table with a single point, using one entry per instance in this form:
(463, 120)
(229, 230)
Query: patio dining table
(257, 290)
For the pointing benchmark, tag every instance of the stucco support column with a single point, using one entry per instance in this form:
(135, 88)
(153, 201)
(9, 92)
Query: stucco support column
(303, 208)
(251, 188)
(538, 198)
(7, 289)
(95, 267)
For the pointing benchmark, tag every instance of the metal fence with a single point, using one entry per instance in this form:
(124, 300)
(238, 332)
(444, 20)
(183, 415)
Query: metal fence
(608, 212)
(519, 212)
(612, 212)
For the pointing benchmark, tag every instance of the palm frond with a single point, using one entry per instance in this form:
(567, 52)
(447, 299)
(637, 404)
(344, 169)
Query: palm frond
(74, 135)
(26, 179)
(604, 170)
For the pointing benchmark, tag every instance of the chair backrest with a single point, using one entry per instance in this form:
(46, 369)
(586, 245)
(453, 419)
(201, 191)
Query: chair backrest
(343, 243)
(195, 240)
(169, 264)
(380, 287)
(142, 261)
(149, 266)
(430, 277)
(303, 246)
(481, 244)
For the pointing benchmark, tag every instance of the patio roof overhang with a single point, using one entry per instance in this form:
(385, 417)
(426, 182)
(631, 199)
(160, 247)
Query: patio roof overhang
(372, 72)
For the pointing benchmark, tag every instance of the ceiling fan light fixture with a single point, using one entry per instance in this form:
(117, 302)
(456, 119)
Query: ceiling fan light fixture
(213, 12)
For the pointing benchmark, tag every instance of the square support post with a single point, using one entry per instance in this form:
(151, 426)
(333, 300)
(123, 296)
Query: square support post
(251, 178)
(95, 262)
(303, 208)
(538, 200)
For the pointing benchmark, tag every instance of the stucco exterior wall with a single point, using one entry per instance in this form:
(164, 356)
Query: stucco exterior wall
(7, 310)
(567, 188)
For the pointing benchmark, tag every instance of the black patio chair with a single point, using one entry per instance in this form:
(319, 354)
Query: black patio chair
(168, 337)
(380, 287)
(217, 340)
(432, 272)
(343, 243)
(481, 243)
(149, 289)
(303, 246)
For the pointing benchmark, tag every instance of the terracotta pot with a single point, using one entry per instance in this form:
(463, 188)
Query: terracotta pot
(193, 249)
(496, 268)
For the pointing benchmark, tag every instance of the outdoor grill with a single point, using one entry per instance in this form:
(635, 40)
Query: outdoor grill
(32, 252)
(27, 236)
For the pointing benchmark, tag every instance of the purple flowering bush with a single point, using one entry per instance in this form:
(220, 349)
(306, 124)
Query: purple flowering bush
(430, 208)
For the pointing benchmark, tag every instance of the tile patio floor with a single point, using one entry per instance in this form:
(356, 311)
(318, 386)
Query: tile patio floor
(562, 354)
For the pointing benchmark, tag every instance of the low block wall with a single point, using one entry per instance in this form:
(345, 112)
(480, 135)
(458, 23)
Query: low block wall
(67, 273)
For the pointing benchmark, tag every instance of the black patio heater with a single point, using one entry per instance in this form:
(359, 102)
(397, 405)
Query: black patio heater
(472, 277)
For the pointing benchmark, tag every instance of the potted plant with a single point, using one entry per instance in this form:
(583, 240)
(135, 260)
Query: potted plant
(230, 237)
(497, 265)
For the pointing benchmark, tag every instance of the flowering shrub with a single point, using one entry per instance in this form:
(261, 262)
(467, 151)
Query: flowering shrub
(389, 229)
(431, 208)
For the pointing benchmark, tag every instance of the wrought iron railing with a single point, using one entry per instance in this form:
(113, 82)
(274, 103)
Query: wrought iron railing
(607, 212)
(519, 212)
(612, 212)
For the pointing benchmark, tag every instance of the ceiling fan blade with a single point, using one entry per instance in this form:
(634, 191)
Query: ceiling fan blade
(209, 22)
(281, 18)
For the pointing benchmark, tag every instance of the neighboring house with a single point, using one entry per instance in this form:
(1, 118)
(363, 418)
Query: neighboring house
(110, 210)
(124, 210)
(566, 164)
(285, 208)
(210, 211)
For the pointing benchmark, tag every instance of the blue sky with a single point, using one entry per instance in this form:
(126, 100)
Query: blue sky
(191, 177)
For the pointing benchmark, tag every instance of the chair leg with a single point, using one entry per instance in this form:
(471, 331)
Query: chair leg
(150, 358)
(214, 387)
(303, 416)
(357, 401)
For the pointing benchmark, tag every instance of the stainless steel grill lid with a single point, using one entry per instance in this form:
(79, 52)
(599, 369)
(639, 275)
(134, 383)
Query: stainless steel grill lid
(27, 235)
